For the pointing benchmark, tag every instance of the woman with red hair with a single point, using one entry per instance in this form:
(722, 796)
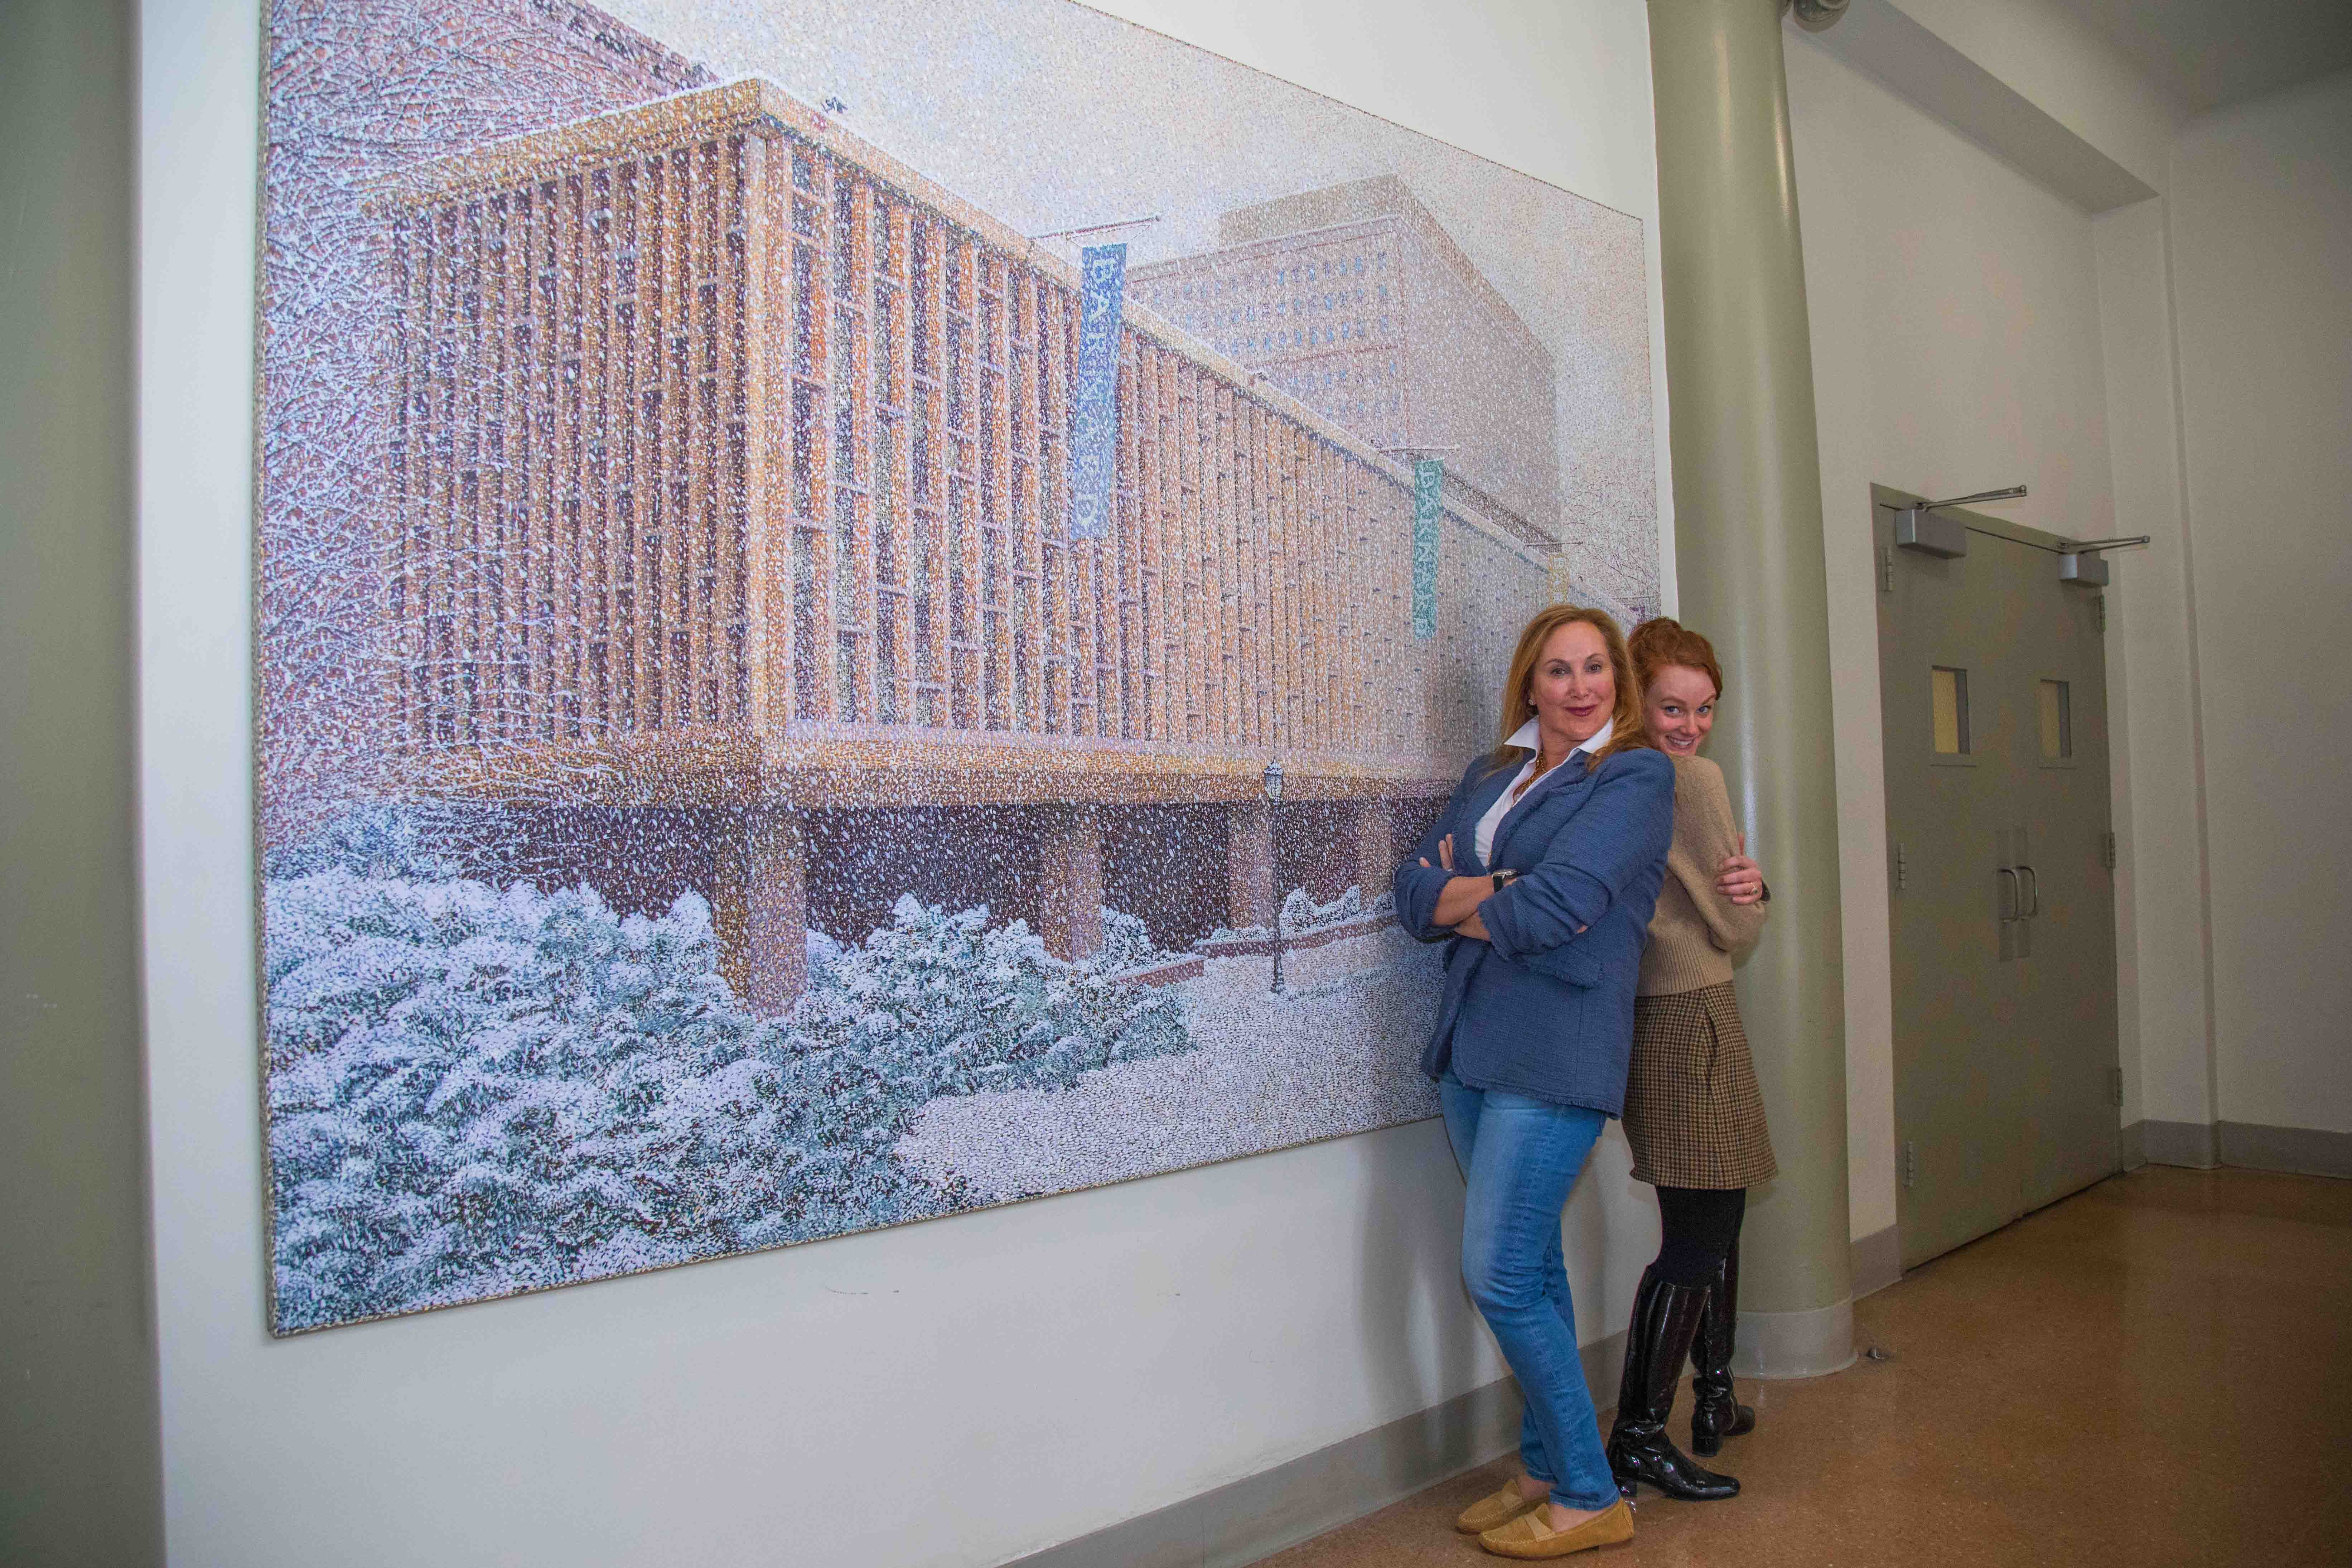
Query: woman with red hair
(1694, 1113)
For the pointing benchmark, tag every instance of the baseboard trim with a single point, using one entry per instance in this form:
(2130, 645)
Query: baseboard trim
(2245, 1145)
(2131, 1145)
(1243, 1520)
(1876, 1260)
(1259, 1515)
(2190, 1144)
(1796, 1344)
(2302, 1150)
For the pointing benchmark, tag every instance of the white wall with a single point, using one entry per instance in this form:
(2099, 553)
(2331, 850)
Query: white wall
(2050, 57)
(1956, 348)
(2153, 684)
(959, 1391)
(2262, 252)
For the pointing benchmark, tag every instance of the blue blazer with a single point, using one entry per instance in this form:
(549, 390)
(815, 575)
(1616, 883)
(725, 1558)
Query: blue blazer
(1545, 1008)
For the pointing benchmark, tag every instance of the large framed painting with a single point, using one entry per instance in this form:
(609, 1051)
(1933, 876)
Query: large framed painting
(856, 605)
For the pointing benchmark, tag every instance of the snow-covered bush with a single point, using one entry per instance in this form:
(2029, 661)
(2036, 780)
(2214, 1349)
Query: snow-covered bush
(405, 839)
(943, 1004)
(475, 1091)
(1126, 943)
(1300, 911)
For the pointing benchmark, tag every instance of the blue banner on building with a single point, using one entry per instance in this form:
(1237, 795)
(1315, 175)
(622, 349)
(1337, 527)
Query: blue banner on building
(1428, 481)
(1094, 444)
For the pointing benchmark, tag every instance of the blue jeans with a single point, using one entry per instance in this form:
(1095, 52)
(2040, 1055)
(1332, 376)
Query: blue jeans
(1520, 1156)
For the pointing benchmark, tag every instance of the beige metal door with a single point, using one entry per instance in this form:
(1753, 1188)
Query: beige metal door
(2060, 784)
(2002, 917)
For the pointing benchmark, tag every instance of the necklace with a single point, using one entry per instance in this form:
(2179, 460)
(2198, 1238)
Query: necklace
(1542, 768)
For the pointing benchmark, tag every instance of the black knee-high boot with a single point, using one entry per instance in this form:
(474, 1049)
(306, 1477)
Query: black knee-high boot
(1665, 1316)
(1716, 1413)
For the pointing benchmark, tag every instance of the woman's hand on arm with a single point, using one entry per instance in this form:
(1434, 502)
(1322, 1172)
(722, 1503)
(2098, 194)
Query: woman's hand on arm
(1458, 901)
(1418, 883)
(1740, 879)
(1735, 915)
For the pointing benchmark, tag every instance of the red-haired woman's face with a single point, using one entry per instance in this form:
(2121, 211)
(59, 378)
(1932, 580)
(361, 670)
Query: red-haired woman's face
(1572, 689)
(1680, 704)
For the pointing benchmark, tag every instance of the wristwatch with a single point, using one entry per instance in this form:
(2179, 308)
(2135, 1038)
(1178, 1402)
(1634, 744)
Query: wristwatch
(1504, 880)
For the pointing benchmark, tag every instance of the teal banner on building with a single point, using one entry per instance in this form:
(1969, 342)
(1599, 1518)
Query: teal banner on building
(1094, 443)
(1428, 480)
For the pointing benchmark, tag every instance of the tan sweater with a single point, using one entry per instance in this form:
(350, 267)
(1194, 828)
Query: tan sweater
(1696, 931)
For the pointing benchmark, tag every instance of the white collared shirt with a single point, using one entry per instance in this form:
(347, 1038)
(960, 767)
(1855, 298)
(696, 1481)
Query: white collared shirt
(1528, 737)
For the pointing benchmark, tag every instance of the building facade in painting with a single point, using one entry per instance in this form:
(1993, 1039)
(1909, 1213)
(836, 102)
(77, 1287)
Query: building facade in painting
(732, 486)
(1355, 300)
(495, 68)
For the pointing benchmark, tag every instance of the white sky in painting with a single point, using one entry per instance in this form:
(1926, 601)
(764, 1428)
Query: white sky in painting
(1050, 115)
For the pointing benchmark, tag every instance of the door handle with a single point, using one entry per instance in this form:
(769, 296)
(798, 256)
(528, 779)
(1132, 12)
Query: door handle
(2009, 895)
(2032, 892)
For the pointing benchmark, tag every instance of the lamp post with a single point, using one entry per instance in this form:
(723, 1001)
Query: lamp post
(1273, 798)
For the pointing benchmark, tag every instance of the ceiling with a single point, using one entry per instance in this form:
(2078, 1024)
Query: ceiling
(2211, 54)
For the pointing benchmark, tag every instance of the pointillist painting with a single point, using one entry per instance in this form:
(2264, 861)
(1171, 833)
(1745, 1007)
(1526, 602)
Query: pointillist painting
(856, 605)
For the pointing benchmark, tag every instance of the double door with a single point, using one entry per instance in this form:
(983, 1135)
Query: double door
(1993, 687)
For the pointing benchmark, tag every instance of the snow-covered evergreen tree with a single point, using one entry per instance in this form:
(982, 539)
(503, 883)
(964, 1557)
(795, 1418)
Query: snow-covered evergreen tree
(475, 1091)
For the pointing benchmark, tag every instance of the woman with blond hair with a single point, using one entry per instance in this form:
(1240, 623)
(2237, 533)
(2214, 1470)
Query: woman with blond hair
(1694, 1113)
(1539, 876)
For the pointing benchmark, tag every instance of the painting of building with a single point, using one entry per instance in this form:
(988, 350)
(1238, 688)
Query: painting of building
(714, 794)
(1354, 300)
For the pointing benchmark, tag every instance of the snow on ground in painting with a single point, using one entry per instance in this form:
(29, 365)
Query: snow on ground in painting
(1337, 1052)
(477, 1087)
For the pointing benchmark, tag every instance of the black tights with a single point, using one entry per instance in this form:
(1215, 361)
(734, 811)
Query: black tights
(1700, 1225)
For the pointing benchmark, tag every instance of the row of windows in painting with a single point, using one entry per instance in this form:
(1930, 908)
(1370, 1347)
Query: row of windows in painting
(1296, 381)
(1287, 324)
(1299, 338)
(1289, 277)
(1287, 309)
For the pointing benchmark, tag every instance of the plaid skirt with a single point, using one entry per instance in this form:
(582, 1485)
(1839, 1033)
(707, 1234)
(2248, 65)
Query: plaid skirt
(1692, 1111)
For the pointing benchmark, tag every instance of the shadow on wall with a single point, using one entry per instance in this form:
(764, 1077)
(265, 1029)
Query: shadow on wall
(1413, 1311)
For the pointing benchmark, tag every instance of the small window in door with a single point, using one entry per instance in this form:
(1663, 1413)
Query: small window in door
(2057, 722)
(1949, 694)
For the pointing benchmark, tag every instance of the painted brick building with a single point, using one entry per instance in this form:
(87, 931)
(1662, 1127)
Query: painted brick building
(733, 479)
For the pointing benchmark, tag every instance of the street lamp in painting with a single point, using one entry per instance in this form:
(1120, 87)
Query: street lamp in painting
(1273, 799)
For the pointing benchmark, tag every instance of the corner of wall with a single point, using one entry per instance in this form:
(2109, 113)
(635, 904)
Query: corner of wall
(2162, 932)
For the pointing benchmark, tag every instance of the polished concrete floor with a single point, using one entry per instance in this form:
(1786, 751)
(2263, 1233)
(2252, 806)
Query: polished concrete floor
(2156, 1371)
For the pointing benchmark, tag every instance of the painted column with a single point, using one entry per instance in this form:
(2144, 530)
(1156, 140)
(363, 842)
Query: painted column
(1249, 865)
(1070, 865)
(1747, 507)
(761, 908)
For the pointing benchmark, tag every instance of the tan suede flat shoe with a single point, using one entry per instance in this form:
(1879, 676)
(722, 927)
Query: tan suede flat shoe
(1531, 1534)
(1498, 1508)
